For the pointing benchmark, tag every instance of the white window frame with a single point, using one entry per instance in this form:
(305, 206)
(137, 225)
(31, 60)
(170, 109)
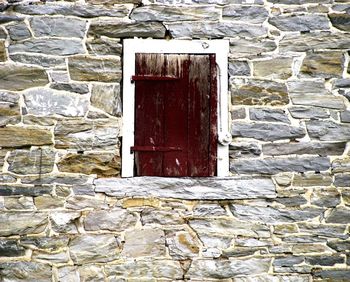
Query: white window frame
(132, 46)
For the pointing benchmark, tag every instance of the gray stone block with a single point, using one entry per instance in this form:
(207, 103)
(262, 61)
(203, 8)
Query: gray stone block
(268, 114)
(328, 131)
(300, 22)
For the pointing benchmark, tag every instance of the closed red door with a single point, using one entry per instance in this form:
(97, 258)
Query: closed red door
(175, 115)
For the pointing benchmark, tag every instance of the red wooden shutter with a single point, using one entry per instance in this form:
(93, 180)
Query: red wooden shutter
(175, 115)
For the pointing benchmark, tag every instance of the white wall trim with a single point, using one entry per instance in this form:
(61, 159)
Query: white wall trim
(132, 46)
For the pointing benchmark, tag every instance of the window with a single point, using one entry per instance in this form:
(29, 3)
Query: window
(174, 108)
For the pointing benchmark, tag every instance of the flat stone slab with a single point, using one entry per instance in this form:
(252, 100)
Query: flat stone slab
(188, 188)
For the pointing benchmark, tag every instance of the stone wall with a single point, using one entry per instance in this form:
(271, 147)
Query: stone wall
(66, 215)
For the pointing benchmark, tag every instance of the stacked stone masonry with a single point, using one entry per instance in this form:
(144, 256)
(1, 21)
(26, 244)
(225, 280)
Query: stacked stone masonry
(66, 215)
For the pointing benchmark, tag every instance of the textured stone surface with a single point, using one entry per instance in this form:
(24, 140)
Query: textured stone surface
(214, 30)
(241, 47)
(332, 275)
(340, 21)
(64, 221)
(104, 46)
(21, 223)
(27, 271)
(86, 135)
(267, 114)
(258, 92)
(9, 108)
(102, 164)
(10, 248)
(342, 180)
(266, 131)
(309, 112)
(174, 13)
(45, 243)
(238, 68)
(43, 102)
(300, 22)
(93, 248)
(339, 215)
(224, 188)
(312, 179)
(80, 88)
(345, 116)
(238, 113)
(328, 131)
(39, 60)
(31, 162)
(237, 150)
(17, 78)
(277, 165)
(51, 46)
(127, 29)
(107, 98)
(87, 68)
(275, 68)
(269, 214)
(222, 269)
(114, 220)
(323, 64)
(24, 136)
(84, 11)
(314, 41)
(252, 14)
(3, 56)
(300, 148)
(18, 31)
(325, 198)
(58, 27)
(144, 242)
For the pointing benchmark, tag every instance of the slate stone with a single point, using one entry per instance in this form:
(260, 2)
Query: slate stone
(188, 189)
(243, 47)
(325, 198)
(131, 268)
(288, 261)
(342, 180)
(64, 221)
(9, 18)
(323, 64)
(227, 268)
(146, 242)
(48, 46)
(5, 178)
(328, 131)
(9, 108)
(27, 271)
(68, 273)
(238, 113)
(269, 214)
(107, 98)
(58, 27)
(93, 248)
(24, 190)
(323, 230)
(47, 202)
(46, 102)
(54, 258)
(268, 114)
(341, 165)
(300, 22)
(301, 148)
(102, 164)
(183, 245)
(43, 121)
(341, 83)
(10, 248)
(238, 150)
(88, 190)
(339, 245)
(339, 215)
(204, 210)
(314, 41)
(116, 219)
(298, 2)
(238, 68)
(79, 10)
(273, 68)
(174, 13)
(151, 216)
(40, 60)
(55, 179)
(214, 30)
(18, 31)
(71, 87)
(111, 2)
(85, 68)
(104, 46)
(340, 20)
(35, 161)
(121, 29)
(308, 112)
(258, 92)
(17, 78)
(246, 13)
(312, 179)
(86, 202)
(345, 116)
(86, 135)
(3, 34)
(24, 136)
(277, 165)
(340, 275)
(266, 131)
(3, 56)
(313, 93)
(21, 223)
